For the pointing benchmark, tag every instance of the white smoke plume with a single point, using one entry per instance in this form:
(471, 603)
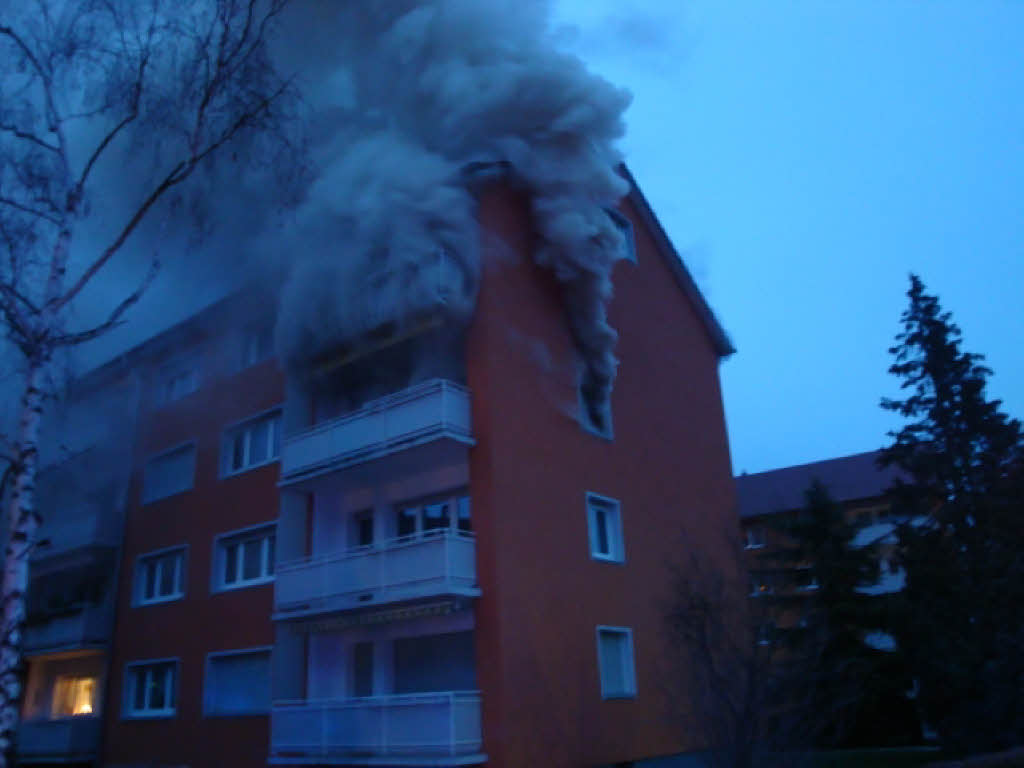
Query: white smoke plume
(422, 88)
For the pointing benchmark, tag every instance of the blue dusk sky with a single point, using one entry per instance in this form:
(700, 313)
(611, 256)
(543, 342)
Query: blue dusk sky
(805, 157)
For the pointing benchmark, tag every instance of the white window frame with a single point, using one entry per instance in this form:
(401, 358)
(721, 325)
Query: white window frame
(207, 691)
(147, 498)
(238, 538)
(452, 498)
(613, 528)
(245, 427)
(128, 710)
(174, 371)
(753, 537)
(625, 225)
(252, 339)
(181, 566)
(629, 664)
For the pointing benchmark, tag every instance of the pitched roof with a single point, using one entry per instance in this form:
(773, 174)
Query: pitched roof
(847, 478)
(720, 339)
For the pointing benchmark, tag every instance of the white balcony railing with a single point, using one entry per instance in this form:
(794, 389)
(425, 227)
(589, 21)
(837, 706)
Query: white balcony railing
(401, 569)
(408, 726)
(433, 410)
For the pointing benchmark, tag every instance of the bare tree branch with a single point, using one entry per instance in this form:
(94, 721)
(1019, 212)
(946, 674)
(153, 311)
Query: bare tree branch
(115, 317)
(28, 209)
(27, 136)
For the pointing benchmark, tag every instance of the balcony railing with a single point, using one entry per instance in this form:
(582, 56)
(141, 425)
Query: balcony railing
(89, 626)
(406, 568)
(65, 740)
(424, 725)
(432, 410)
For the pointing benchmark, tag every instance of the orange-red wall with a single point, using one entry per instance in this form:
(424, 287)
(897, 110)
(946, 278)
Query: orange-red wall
(202, 621)
(542, 594)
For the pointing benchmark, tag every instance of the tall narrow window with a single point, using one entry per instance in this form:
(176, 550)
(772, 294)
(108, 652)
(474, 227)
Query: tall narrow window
(245, 559)
(362, 669)
(615, 660)
(362, 529)
(604, 521)
(257, 345)
(150, 689)
(252, 444)
(160, 577)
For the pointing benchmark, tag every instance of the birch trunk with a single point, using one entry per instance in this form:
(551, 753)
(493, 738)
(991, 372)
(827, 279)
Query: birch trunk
(22, 522)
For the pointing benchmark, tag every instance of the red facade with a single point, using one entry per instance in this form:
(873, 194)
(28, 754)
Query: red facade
(542, 593)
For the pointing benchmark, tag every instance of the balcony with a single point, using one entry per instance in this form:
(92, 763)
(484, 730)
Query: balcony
(413, 729)
(89, 626)
(70, 739)
(407, 568)
(436, 410)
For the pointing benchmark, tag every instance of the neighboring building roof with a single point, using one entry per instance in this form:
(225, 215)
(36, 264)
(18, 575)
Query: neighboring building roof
(723, 346)
(847, 478)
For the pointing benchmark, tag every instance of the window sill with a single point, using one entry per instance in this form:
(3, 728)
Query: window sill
(161, 715)
(158, 600)
(243, 585)
(607, 558)
(236, 472)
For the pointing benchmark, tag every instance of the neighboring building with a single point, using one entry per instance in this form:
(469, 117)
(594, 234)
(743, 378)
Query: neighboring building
(382, 562)
(856, 482)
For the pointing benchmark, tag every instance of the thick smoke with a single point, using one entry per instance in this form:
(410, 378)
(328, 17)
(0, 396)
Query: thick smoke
(427, 88)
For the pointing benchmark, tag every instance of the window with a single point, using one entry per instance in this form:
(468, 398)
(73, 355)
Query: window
(362, 669)
(754, 535)
(257, 345)
(245, 559)
(604, 522)
(176, 381)
(150, 689)
(760, 584)
(73, 696)
(625, 226)
(450, 513)
(806, 580)
(169, 473)
(237, 682)
(362, 529)
(160, 577)
(253, 444)
(595, 414)
(615, 661)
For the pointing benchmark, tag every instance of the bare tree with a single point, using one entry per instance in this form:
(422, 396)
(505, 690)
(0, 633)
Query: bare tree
(728, 681)
(179, 83)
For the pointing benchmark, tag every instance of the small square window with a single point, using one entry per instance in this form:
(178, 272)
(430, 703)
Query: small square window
(176, 381)
(160, 577)
(169, 474)
(604, 523)
(244, 559)
(754, 537)
(150, 689)
(625, 226)
(73, 696)
(237, 682)
(615, 662)
(252, 444)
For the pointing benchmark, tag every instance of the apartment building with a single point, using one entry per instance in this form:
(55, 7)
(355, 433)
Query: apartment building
(856, 482)
(421, 550)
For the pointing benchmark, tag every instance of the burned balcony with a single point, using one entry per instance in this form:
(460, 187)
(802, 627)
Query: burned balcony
(441, 564)
(425, 729)
(429, 418)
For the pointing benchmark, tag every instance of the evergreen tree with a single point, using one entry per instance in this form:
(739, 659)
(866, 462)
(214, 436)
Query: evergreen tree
(962, 544)
(821, 574)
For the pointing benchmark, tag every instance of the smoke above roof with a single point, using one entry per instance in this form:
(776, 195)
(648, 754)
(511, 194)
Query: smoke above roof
(411, 93)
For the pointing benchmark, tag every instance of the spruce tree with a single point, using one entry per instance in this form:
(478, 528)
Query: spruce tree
(961, 544)
(839, 688)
